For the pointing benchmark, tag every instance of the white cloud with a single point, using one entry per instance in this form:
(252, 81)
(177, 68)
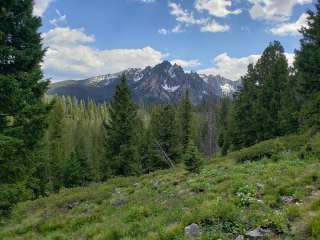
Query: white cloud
(235, 68)
(290, 57)
(69, 56)
(275, 10)
(217, 8)
(177, 29)
(65, 36)
(59, 20)
(215, 27)
(163, 31)
(288, 28)
(185, 18)
(186, 63)
(40, 6)
(232, 68)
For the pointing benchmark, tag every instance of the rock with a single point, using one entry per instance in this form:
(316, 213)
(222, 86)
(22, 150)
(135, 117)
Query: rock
(240, 237)
(72, 205)
(192, 231)
(289, 200)
(258, 233)
(156, 184)
(119, 202)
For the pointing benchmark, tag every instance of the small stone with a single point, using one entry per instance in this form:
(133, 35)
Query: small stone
(240, 237)
(289, 199)
(192, 231)
(72, 205)
(258, 233)
(156, 184)
(119, 202)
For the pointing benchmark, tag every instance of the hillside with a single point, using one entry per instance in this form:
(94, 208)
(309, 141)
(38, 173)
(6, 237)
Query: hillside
(278, 192)
(162, 83)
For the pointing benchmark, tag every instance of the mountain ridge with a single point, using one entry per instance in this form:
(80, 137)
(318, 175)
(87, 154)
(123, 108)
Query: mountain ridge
(164, 82)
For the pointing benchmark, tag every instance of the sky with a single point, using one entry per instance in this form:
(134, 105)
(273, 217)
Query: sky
(86, 38)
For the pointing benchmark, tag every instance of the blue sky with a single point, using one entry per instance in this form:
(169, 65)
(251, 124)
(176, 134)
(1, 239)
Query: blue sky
(88, 38)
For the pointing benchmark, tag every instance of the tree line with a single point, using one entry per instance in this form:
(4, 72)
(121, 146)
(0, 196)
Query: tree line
(275, 99)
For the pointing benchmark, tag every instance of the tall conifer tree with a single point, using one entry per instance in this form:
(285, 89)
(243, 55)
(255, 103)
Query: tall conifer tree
(307, 65)
(22, 111)
(186, 120)
(122, 155)
(264, 108)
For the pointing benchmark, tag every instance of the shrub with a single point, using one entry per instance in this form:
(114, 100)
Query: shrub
(315, 145)
(246, 195)
(294, 142)
(293, 212)
(265, 149)
(311, 148)
(10, 194)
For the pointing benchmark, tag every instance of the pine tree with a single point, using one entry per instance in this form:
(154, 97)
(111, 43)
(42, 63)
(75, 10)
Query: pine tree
(273, 76)
(223, 125)
(122, 147)
(165, 139)
(263, 108)
(76, 171)
(56, 145)
(192, 158)
(22, 110)
(242, 123)
(307, 66)
(186, 120)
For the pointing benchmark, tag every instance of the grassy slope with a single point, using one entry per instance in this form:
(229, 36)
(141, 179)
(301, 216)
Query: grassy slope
(226, 200)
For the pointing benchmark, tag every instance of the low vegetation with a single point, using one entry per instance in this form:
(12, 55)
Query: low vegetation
(226, 199)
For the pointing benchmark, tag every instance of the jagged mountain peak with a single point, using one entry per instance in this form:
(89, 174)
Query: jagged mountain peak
(165, 82)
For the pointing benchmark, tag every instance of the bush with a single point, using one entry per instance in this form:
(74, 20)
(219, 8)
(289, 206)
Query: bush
(12, 173)
(10, 194)
(311, 148)
(315, 145)
(246, 195)
(265, 149)
(294, 142)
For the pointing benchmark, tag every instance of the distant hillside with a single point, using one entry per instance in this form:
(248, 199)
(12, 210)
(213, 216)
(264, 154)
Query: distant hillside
(163, 83)
(276, 197)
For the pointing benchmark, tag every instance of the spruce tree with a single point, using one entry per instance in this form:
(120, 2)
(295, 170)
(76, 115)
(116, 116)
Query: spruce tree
(76, 171)
(122, 145)
(56, 145)
(263, 108)
(164, 134)
(307, 66)
(22, 111)
(242, 123)
(192, 158)
(186, 120)
(273, 77)
(224, 125)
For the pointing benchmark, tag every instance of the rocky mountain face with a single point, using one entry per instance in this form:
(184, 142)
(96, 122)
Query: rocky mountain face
(163, 83)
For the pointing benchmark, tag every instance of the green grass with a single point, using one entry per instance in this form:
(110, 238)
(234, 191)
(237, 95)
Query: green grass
(226, 199)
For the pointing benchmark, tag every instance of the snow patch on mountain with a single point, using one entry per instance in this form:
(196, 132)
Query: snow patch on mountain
(169, 88)
(227, 89)
(138, 76)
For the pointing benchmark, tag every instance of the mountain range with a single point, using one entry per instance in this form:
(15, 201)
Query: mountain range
(164, 82)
